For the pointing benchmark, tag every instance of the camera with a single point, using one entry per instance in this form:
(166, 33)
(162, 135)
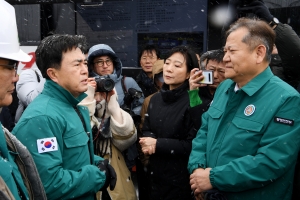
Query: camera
(208, 77)
(129, 97)
(104, 84)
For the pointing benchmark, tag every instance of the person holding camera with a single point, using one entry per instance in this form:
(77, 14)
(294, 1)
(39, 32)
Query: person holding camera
(201, 94)
(168, 129)
(55, 129)
(249, 138)
(113, 128)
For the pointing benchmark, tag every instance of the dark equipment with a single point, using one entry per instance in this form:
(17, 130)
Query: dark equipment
(129, 97)
(104, 84)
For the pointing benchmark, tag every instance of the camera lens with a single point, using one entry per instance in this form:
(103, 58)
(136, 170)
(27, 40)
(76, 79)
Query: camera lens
(109, 84)
(104, 84)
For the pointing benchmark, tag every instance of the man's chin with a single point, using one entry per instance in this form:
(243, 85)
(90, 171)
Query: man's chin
(6, 101)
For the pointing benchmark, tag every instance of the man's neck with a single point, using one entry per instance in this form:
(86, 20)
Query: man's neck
(212, 90)
(149, 74)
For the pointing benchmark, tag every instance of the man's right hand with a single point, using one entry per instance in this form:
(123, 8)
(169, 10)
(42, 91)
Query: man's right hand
(195, 77)
(111, 176)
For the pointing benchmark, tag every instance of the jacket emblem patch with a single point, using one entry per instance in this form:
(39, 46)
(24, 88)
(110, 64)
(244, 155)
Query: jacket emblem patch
(47, 144)
(284, 121)
(249, 110)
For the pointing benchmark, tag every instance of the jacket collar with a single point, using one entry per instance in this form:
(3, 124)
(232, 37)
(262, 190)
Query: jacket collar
(56, 91)
(172, 95)
(256, 83)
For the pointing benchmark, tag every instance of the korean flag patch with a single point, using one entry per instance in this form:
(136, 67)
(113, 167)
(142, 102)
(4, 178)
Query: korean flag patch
(47, 144)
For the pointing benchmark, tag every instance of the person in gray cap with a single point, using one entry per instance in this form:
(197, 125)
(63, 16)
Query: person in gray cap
(19, 178)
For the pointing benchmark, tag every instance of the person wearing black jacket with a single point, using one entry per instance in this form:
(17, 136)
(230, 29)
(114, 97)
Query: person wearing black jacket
(201, 95)
(168, 129)
(148, 56)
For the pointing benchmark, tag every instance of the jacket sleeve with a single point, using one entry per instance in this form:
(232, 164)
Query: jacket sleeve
(288, 46)
(28, 86)
(276, 155)
(197, 157)
(125, 134)
(59, 183)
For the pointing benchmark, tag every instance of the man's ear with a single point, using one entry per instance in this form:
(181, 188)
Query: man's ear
(261, 52)
(52, 73)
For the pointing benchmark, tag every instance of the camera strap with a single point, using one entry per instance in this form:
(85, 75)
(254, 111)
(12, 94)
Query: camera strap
(123, 85)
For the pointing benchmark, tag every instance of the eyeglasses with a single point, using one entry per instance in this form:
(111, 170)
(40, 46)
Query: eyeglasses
(149, 57)
(100, 63)
(12, 65)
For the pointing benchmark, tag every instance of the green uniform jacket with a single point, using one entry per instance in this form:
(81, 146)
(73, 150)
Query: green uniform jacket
(68, 172)
(253, 151)
(9, 170)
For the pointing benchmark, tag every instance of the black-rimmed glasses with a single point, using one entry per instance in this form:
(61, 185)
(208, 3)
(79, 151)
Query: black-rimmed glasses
(100, 63)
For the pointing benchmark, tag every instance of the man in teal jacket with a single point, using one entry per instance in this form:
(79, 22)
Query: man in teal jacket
(248, 143)
(56, 130)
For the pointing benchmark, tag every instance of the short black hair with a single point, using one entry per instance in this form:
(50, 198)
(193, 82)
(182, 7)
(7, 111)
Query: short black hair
(215, 55)
(149, 48)
(50, 51)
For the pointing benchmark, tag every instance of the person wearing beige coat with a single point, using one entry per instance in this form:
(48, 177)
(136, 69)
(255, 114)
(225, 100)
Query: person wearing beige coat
(117, 132)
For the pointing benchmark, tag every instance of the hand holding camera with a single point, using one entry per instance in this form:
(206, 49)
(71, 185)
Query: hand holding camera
(111, 176)
(200, 78)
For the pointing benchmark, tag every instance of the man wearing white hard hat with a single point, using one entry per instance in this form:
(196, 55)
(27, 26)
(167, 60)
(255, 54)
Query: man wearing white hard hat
(19, 178)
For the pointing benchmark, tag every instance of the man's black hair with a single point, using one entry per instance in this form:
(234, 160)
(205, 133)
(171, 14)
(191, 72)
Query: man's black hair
(149, 48)
(50, 51)
(216, 55)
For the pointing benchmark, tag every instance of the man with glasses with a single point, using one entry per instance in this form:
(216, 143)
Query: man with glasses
(116, 135)
(148, 56)
(15, 160)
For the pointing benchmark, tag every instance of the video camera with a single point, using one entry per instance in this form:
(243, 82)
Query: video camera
(104, 84)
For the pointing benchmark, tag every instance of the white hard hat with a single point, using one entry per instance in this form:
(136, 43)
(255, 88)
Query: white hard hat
(9, 40)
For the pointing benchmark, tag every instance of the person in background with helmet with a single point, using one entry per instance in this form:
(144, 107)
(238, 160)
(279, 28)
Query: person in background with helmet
(55, 129)
(148, 56)
(13, 155)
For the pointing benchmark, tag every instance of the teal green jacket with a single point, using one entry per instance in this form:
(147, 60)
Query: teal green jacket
(9, 170)
(250, 139)
(70, 172)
